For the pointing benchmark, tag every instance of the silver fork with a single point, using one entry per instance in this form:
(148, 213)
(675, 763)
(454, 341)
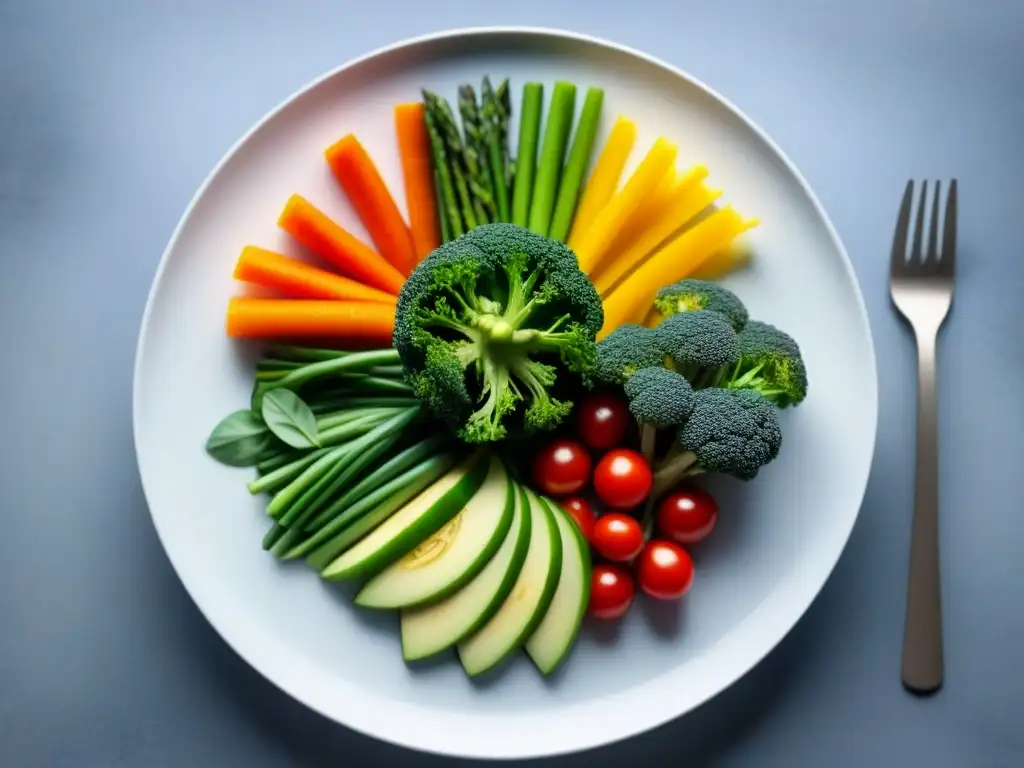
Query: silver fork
(921, 283)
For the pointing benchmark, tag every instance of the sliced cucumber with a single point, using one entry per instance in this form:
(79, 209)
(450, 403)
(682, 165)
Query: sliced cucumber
(350, 525)
(430, 629)
(551, 642)
(519, 614)
(441, 564)
(420, 518)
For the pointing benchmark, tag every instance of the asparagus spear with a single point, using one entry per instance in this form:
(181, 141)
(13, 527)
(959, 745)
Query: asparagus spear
(504, 99)
(475, 149)
(449, 132)
(448, 206)
(442, 219)
(495, 125)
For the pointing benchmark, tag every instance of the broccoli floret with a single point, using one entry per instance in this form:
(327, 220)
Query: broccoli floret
(769, 362)
(695, 295)
(658, 398)
(700, 345)
(626, 350)
(493, 326)
(729, 431)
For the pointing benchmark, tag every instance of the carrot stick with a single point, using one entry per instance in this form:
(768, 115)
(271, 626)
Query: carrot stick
(297, 280)
(352, 322)
(418, 174)
(596, 239)
(328, 240)
(359, 177)
(629, 302)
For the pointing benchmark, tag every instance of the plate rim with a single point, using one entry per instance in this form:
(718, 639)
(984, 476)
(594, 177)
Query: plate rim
(607, 735)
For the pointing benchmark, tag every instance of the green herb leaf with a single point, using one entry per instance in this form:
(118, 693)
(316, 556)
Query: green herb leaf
(239, 440)
(288, 417)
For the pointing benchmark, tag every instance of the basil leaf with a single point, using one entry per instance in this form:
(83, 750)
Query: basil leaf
(288, 417)
(239, 440)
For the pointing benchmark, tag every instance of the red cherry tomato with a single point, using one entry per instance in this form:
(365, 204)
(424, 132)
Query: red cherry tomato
(611, 591)
(623, 478)
(581, 511)
(688, 515)
(617, 537)
(664, 570)
(561, 468)
(602, 421)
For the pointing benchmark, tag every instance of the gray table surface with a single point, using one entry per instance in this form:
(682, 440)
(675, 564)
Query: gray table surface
(111, 114)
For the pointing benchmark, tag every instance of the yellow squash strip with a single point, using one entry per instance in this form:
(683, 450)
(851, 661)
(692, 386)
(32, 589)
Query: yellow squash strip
(723, 262)
(604, 179)
(630, 302)
(642, 218)
(690, 202)
(597, 238)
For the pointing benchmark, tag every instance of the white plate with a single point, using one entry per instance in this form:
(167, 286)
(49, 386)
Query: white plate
(778, 537)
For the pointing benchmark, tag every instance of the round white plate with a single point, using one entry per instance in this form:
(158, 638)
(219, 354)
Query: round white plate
(778, 536)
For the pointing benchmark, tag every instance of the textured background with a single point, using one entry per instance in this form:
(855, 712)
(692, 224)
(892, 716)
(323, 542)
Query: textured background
(111, 114)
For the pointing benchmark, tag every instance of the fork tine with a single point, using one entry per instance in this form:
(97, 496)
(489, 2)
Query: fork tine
(949, 232)
(932, 255)
(915, 249)
(898, 263)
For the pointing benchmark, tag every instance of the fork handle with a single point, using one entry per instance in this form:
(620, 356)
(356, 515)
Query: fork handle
(922, 664)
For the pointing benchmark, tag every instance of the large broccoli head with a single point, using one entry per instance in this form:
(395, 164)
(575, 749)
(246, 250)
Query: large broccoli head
(693, 295)
(626, 350)
(496, 328)
(699, 345)
(768, 361)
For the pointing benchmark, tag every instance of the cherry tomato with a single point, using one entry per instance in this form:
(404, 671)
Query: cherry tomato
(602, 421)
(617, 537)
(664, 570)
(611, 591)
(581, 511)
(561, 468)
(688, 515)
(623, 478)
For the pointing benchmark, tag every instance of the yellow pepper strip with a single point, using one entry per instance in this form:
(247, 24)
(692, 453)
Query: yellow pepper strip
(653, 317)
(690, 203)
(597, 238)
(648, 212)
(604, 179)
(630, 301)
(722, 263)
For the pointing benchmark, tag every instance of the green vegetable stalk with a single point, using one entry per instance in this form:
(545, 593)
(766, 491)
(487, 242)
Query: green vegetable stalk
(477, 156)
(448, 130)
(576, 167)
(526, 160)
(448, 204)
(495, 114)
(556, 136)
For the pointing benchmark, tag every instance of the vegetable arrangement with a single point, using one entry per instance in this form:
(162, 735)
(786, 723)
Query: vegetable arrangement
(517, 308)
(704, 387)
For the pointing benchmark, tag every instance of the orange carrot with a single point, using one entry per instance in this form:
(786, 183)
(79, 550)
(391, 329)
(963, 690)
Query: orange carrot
(328, 240)
(359, 177)
(351, 322)
(418, 174)
(298, 280)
